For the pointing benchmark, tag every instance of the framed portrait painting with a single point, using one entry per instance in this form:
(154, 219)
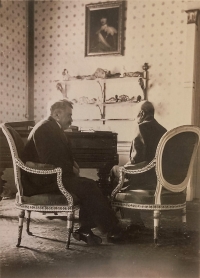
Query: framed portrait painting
(104, 28)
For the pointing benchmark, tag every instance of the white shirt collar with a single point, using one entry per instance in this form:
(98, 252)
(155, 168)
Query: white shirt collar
(58, 124)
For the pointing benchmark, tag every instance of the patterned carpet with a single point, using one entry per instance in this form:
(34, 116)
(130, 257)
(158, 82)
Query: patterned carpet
(43, 255)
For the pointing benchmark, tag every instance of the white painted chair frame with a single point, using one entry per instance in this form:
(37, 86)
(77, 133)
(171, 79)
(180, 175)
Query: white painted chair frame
(70, 208)
(157, 207)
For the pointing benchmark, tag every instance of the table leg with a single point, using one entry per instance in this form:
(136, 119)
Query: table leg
(103, 181)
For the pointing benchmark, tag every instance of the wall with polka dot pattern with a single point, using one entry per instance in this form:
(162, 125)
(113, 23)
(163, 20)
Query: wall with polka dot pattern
(13, 61)
(155, 32)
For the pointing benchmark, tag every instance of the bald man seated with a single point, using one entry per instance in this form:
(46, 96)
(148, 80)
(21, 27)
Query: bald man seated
(142, 151)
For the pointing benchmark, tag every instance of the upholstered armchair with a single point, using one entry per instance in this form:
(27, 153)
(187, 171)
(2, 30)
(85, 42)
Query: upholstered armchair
(63, 202)
(173, 164)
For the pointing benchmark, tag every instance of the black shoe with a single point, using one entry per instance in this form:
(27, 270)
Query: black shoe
(89, 238)
(137, 228)
(116, 235)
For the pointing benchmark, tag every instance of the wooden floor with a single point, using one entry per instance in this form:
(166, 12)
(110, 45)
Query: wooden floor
(43, 255)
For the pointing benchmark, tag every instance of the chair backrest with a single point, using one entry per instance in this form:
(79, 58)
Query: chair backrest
(16, 145)
(175, 156)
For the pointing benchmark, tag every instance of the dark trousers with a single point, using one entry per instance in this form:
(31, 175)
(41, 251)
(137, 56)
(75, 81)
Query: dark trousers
(95, 210)
(146, 180)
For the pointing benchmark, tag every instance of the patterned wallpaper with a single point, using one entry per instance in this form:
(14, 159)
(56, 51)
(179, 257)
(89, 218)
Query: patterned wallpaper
(12, 60)
(155, 32)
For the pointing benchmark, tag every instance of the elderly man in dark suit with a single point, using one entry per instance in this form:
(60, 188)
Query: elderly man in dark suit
(142, 151)
(48, 145)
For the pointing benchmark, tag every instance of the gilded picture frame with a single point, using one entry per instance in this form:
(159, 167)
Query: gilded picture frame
(104, 28)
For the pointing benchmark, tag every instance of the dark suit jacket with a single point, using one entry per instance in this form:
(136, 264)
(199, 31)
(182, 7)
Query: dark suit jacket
(47, 144)
(144, 144)
(142, 151)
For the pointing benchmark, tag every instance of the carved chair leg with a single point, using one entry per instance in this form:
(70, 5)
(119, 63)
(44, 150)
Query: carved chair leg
(156, 218)
(20, 226)
(184, 223)
(28, 220)
(70, 218)
(2, 182)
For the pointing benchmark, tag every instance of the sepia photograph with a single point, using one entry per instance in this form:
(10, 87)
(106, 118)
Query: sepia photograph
(99, 138)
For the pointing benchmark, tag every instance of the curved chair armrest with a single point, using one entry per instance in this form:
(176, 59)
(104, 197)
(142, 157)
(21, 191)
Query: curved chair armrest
(123, 170)
(120, 184)
(57, 171)
(140, 170)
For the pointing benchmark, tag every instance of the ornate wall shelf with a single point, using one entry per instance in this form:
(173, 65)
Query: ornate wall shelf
(96, 102)
(103, 78)
(96, 120)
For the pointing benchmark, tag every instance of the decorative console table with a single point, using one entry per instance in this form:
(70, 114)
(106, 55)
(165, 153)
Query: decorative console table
(95, 150)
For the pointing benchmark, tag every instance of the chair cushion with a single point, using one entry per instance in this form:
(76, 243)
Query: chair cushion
(46, 199)
(147, 197)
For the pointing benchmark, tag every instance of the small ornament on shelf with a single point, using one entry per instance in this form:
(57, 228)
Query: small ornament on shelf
(112, 75)
(65, 75)
(123, 98)
(134, 74)
(60, 87)
(139, 98)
